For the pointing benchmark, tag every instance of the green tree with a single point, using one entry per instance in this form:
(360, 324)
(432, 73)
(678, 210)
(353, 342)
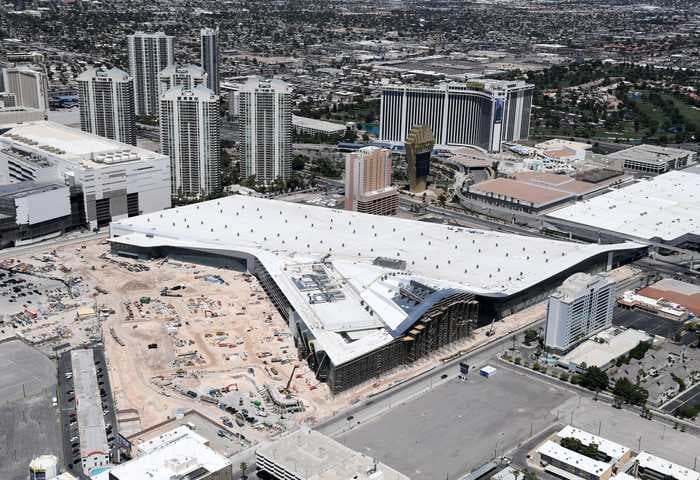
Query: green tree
(594, 379)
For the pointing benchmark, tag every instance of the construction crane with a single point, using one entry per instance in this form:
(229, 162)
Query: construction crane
(492, 330)
(291, 377)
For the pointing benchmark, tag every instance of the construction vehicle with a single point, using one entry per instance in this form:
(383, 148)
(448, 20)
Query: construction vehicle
(492, 329)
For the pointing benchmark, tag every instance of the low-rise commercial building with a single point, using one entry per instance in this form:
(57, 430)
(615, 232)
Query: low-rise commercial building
(565, 463)
(652, 159)
(617, 454)
(313, 126)
(379, 202)
(602, 350)
(651, 467)
(534, 192)
(309, 455)
(182, 457)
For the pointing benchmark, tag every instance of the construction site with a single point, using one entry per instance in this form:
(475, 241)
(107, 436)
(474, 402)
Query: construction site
(180, 335)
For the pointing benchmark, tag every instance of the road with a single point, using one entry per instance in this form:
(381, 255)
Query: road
(53, 243)
(398, 395)
(413, 388)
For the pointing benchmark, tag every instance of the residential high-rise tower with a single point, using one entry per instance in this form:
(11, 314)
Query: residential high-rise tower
(209, 56)
(176, 75)
(107, 104)
(265, 129)
(190, 134)
(149, 53)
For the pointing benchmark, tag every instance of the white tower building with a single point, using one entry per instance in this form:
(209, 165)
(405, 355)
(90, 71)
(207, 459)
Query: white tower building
(190, 134)
(265, 129)
(149, 53)
(188, 76)
(209, 56)
(582, 307)
(107, 104)
(480, 114)
(30, 87)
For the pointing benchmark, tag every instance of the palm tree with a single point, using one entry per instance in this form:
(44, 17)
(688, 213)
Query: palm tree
(243, 466)
(530, 475)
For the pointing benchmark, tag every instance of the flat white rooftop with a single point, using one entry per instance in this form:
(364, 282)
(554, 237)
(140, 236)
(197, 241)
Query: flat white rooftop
(651, 154)
(166, 438)
(88, 404)
(668, 469)
(60, 141)
(665, 208)
(611, 449)
(613, 344)
(315, 124)
(290, 240)
(310, 455)
(575, 460)
(174, 460)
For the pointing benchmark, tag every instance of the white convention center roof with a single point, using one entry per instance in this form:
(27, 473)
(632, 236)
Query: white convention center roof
(665, 207)
(288, 239)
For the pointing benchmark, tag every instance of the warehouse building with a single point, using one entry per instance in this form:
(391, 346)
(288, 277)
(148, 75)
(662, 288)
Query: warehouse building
(652, 159)
(113, 180)
(364, 294)
(306, 454)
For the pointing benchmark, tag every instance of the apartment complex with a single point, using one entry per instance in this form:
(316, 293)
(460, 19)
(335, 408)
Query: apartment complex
(190, 134)
(581, 307)
(149, 53)
(209, 56)
(265, 129)
(481, 113)
(107, 104)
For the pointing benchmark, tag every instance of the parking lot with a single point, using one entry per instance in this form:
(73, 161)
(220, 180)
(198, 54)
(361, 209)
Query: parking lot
(70, 435)
(225, 444)
(458, 426)
(647, 322)
(690, 397)
(29, 424)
